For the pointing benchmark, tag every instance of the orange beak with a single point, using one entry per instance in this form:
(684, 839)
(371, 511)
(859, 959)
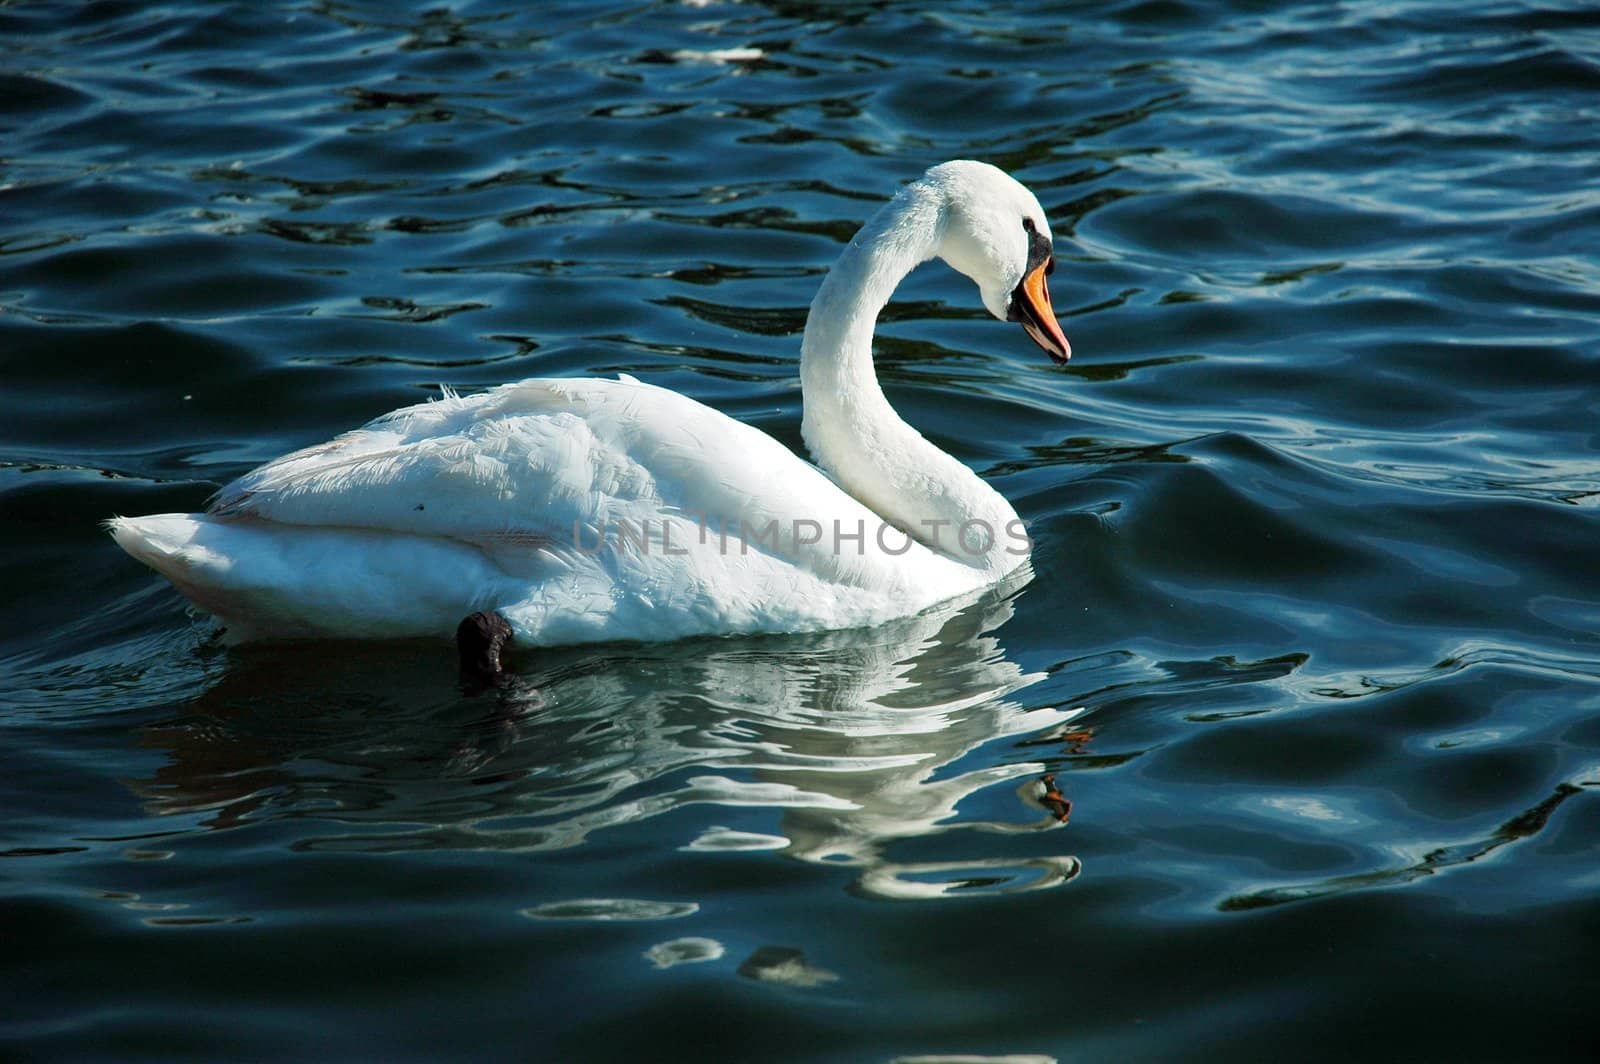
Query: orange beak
(1030, 305)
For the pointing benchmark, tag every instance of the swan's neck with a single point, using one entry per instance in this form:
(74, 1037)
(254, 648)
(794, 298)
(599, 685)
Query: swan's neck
(852, 431)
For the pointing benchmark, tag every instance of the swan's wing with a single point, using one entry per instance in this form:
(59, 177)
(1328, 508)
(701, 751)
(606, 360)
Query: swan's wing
(542, 463)
(517, 460)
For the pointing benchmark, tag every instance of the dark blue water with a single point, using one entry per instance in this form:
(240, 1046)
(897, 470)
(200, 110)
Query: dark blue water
(1312, 641)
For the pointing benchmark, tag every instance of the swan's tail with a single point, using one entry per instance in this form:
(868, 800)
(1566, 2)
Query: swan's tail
(167, 544)
(265, 580)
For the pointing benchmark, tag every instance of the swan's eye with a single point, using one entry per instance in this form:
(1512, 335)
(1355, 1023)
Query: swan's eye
(1038, 247)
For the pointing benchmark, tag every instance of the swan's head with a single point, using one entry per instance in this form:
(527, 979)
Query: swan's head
(995, 233)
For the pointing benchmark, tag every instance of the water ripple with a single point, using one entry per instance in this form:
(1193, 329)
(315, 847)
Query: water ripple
(1313, 618)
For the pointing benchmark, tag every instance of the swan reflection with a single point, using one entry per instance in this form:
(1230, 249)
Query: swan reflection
(825, 748)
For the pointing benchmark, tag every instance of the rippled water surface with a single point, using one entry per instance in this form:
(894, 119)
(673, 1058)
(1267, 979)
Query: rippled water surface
(1311, 637)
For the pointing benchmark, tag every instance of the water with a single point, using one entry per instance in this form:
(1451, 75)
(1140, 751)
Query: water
(1310, 642)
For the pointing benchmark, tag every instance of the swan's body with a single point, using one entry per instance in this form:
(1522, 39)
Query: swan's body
(585, 509)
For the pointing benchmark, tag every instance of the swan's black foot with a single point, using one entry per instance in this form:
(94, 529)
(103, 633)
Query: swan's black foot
(479, 640)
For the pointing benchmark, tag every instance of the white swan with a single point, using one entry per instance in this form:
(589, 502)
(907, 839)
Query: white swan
(585, 510)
